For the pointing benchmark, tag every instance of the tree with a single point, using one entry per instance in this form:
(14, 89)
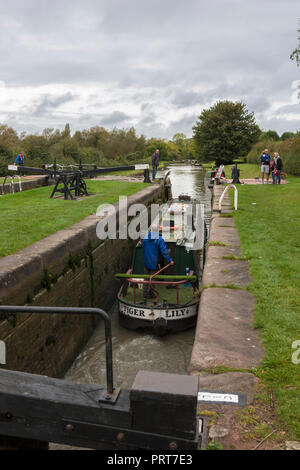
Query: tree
(7, 157)
(52, 136)
(8, 136)
(296, 53)
(269, 135)
(70, 149)
(287, 135)
(36, 148)
(66, 132)
(225, 132)
(183, 146)
(159, 144)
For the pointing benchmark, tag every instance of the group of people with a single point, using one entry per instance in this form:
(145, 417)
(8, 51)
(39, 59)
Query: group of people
(271, 166)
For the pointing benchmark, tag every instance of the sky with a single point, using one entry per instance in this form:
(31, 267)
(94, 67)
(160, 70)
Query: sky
(155, 65)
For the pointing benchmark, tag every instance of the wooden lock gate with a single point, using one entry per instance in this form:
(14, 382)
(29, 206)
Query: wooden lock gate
(158, 413)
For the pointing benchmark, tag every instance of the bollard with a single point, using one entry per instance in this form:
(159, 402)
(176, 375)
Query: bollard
(165, 404)
(235, 175)
(147, 176)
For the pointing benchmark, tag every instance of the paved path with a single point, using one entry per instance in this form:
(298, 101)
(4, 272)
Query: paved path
(255, 181)
(225, 336)
(131, 179)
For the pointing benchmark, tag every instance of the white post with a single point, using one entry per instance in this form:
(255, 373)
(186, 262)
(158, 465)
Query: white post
(235, 196)
(12, 187)
(20, 182)
(2, 353)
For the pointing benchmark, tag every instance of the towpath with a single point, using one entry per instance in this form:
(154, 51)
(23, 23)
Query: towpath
(227, 346)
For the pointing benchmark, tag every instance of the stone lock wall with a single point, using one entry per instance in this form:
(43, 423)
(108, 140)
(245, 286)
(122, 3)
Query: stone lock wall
(26, 185)
(70, 268)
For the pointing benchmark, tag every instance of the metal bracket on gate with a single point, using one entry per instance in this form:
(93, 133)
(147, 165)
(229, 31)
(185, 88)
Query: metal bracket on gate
(101, 395)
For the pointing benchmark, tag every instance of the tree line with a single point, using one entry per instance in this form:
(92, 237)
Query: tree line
(96, 145)
(225, 132)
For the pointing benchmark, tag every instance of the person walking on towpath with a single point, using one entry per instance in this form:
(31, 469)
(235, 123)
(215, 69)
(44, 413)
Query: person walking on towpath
(155, 164)
(265, 161)
(153, 246)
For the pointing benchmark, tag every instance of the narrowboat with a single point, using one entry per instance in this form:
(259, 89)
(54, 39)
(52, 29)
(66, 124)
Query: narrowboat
(174, 289)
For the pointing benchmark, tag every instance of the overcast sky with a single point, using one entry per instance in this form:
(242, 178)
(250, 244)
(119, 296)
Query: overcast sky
(151, 64)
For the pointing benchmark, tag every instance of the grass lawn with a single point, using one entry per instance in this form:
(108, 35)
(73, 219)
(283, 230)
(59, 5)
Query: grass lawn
(30, 216)
(124, 173)
(247, 171)
(269, 232)
(8, 180)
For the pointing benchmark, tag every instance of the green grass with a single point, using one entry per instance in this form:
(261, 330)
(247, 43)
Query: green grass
(247, 171)
(30, 216)
(124, 173)
(16, 180)
(269, 233)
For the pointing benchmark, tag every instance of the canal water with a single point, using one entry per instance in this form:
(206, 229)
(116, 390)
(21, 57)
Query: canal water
(134, 351)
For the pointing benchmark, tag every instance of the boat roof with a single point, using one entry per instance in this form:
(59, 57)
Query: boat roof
(177, 221)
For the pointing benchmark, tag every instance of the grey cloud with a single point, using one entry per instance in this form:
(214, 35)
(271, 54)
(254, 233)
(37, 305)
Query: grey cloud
(50, 103)
(114, 118)
(290, 108)
(160, 50)
(185, 125)
(258, 104)
(185, 99)
(281, 125)
(241, 91)
(150, 118)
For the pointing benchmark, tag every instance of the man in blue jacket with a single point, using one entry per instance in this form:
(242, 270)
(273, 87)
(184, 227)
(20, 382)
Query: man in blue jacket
(265, 161)
(153, 246)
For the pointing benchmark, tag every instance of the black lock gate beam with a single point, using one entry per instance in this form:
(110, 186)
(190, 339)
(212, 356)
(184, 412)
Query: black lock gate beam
(159, 412)
(73, 179)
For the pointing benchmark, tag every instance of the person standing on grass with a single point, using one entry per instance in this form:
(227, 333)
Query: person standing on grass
(278, 167)
(265, 161)
(272, 168)
(155, 164)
